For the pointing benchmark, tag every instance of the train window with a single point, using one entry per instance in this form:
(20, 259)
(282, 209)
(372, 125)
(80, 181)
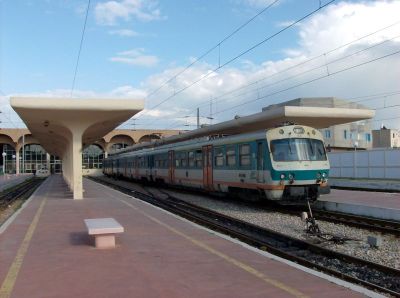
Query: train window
(230, 156)
(219, 156)
(199, 159)
(244, 155)
(183, 159)
(191, 159)
(297, 149)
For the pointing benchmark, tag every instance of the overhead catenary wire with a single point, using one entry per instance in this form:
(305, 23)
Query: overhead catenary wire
(240, 55)
(302, 84)
(312, 80)
(216, 98)
(80, 48)
(218, 45)
(297, 75)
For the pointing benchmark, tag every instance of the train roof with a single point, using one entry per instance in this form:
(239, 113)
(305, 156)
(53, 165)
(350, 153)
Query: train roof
(199, 142)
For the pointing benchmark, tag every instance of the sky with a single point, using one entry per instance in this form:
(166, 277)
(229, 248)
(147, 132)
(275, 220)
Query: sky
(226, 57)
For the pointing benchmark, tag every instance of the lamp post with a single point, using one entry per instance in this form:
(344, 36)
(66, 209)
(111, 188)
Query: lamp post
(355, 158)
(14, 161)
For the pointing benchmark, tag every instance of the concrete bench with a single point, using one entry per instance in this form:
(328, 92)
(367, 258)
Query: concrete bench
(103, 230)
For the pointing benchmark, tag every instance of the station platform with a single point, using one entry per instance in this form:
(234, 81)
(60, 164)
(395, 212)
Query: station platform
(380, 205)
(46, 252)
(384, 185)
(9, 180)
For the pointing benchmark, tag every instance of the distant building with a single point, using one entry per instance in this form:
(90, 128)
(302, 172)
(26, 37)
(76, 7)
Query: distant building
(34, 156)
(338, 137)
(386, 138)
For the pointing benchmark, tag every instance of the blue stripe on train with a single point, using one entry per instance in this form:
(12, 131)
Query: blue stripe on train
(299, 175)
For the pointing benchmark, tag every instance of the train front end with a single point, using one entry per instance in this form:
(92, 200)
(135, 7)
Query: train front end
(299, 166)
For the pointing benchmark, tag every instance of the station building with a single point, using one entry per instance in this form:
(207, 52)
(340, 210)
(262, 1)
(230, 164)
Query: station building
(386, 138)
(34, 156)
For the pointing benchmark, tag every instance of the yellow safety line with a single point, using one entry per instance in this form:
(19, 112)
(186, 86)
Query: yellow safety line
(9, 281)
(230, 260)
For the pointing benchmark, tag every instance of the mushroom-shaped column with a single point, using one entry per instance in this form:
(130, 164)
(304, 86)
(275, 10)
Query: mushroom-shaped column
(65, 126)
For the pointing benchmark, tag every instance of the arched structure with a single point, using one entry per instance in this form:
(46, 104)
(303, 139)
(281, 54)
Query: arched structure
(149, 138)
(119, 141)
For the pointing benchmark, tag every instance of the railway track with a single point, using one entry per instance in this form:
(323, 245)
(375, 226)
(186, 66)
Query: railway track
(20, 191)
(373, 224)
(371, 275)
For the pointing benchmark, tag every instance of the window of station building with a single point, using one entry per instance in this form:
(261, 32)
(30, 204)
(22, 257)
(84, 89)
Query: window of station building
(9, 159)
(345, 134)
(35, 158)
(191, 159)
(230, 156)
(368, 137)
(219, 156)
(92, 157)
(244, 155)
(56, 164)
(118, 146)
(327, 134)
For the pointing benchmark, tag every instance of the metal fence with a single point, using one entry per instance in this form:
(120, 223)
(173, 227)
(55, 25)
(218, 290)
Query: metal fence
(376, 163)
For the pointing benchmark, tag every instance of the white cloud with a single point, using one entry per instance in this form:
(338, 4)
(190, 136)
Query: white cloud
(124, 32)
(135, 57)
(335, 26)
(110, 12)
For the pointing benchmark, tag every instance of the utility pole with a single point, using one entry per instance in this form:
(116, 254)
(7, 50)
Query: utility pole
(198, 118)
(23, 153)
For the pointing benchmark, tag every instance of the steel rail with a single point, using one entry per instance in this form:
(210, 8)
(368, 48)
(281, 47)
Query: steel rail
(18, 191)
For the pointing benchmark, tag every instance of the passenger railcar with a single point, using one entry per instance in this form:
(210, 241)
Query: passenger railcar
(286, 164)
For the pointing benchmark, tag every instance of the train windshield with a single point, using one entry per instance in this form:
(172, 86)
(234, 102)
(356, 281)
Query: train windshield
(297, 149)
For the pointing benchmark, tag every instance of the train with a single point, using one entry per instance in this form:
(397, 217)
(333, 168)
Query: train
(286, 164)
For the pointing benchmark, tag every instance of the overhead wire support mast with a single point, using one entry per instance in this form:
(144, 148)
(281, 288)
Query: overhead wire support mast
(80, 49)
(242, 53)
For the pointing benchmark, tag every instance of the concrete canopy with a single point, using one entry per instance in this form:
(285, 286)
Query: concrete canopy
(317, 117)
(65, 126)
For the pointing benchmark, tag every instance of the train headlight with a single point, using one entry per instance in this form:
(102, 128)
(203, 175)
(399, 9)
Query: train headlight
(324, 175)
(298, 130)
(318, 176)
(291, 178)
(283, 176)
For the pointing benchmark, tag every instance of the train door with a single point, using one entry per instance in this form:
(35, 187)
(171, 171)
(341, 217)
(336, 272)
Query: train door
(260, 162)
(171, 169)
(207, 167)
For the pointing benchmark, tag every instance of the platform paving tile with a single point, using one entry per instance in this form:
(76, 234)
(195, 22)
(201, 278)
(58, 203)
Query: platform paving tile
(158, 255)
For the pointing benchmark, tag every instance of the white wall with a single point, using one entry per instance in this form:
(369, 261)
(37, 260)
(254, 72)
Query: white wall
(383, 163)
